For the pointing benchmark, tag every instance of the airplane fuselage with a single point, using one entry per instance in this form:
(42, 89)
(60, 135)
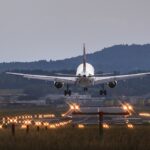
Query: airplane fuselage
(85, 77)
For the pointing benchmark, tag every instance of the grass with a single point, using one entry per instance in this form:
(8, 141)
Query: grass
(68, 138)
(115, 138)
(11, 92)
(29, 110)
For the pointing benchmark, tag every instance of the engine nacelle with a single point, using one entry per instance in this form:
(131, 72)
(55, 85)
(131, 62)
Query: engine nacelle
(112, 84)
(58, 85)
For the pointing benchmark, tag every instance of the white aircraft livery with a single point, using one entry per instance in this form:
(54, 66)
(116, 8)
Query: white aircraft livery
(85, 77)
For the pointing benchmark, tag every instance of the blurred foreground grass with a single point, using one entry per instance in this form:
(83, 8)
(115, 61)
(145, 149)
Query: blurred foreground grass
(115, 138)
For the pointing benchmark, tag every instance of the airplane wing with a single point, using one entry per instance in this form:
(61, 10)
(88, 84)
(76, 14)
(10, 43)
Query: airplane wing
(70, 80)
(102, 80)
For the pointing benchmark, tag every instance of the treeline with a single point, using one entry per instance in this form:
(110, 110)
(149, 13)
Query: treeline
(37, 88)
(123, 58)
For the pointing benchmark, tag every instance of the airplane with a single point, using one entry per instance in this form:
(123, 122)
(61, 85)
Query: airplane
(85, 77)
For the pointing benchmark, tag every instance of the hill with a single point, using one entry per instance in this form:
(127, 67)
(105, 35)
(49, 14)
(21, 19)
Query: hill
(122, 58)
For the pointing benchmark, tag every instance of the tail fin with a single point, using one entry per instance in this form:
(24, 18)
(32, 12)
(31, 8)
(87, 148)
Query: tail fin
(84, 58)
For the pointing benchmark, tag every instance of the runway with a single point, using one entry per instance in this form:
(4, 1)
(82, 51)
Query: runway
(70, 118)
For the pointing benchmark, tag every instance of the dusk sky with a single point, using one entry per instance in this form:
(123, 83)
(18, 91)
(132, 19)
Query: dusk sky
(56, 29)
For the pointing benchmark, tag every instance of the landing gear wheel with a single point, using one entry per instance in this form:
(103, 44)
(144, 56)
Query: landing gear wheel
(103, 92)
(85, 89)
(67, 92)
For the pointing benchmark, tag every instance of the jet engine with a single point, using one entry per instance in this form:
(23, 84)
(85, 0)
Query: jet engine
(112, 84)
(58, 85)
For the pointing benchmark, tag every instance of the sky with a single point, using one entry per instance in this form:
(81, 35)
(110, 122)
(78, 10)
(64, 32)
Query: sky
(56, 29)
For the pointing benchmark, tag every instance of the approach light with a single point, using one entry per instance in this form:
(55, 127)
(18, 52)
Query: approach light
(23, 126)
(144, 114)
(125, 107)
(81, 126)
(130, 126)
(71, 107)
(1, 126)
(106, 126)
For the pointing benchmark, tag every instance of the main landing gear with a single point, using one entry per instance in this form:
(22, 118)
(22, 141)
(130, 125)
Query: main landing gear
(103, 91)
(85, 89)
(67, 91)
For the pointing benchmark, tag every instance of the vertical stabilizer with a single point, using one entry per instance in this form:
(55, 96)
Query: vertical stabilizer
(84, 58)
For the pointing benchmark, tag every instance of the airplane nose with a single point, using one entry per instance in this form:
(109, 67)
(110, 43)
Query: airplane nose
(84, 75)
